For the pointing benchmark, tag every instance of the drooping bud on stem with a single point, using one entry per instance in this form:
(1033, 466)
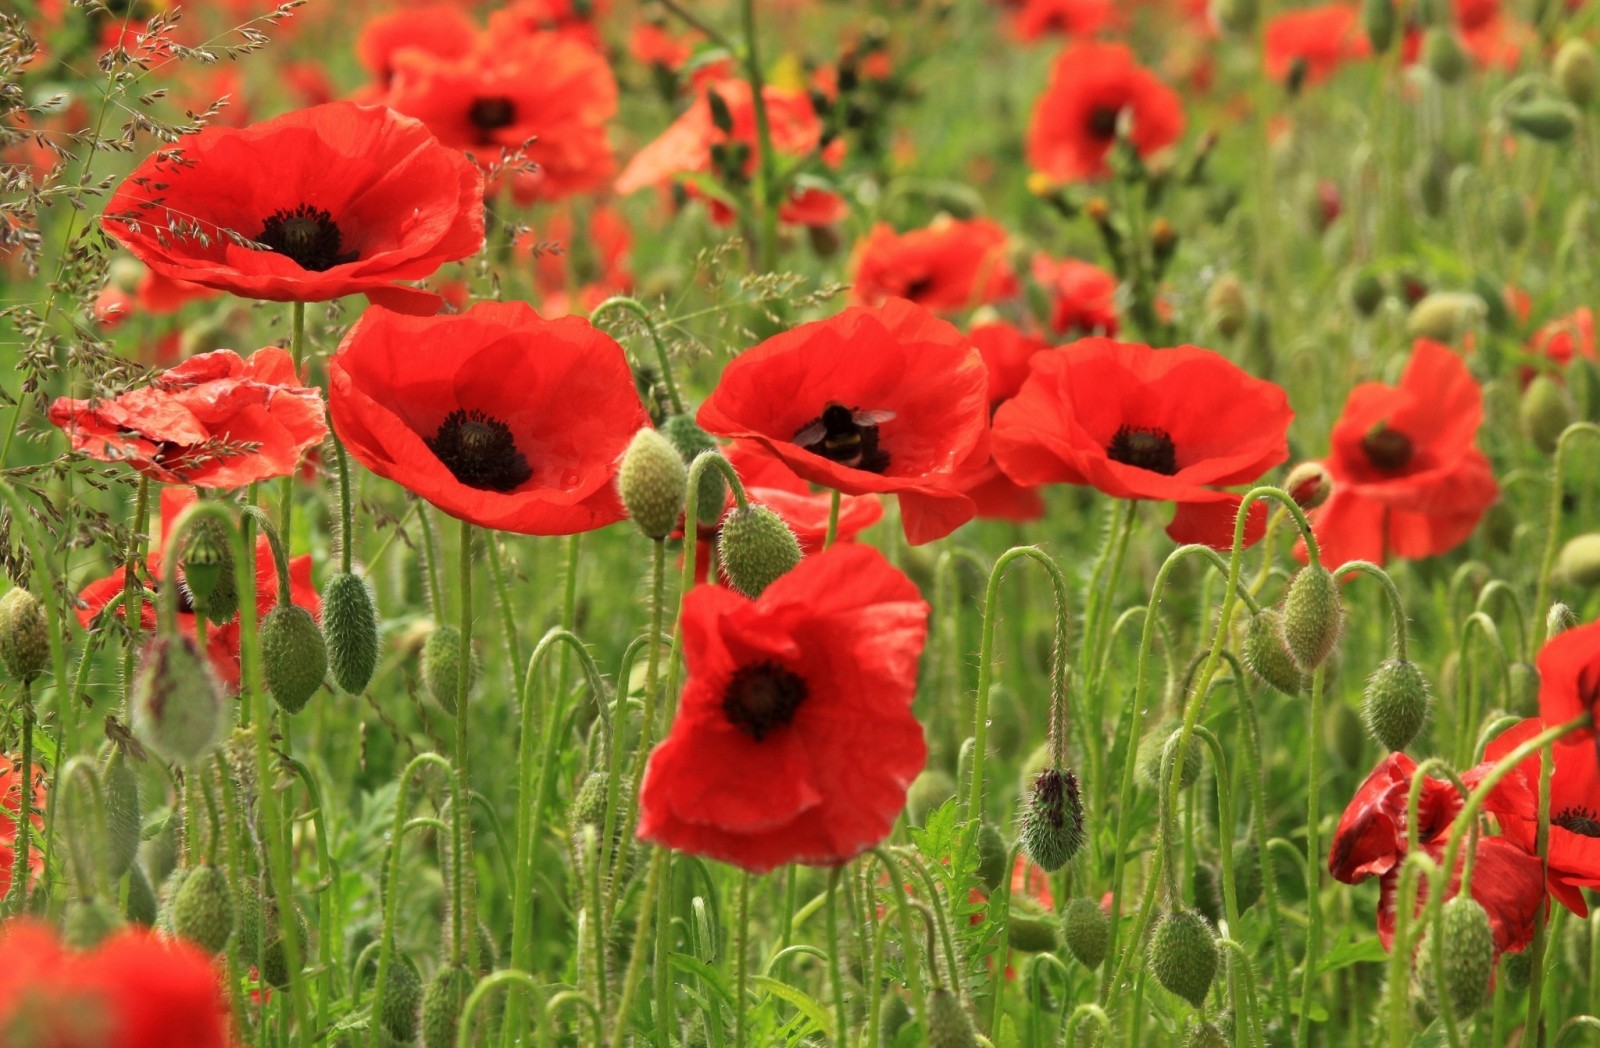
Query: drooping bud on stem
(443, 661)
(1183, 955)
(755, 548)
(1052, 820)
(1312, 617)
(24, 635)
(691, 441)
(350, 625)
(1087, 930)
(1396, 702)
(652, 481)
(176, 705)
(1267, 656)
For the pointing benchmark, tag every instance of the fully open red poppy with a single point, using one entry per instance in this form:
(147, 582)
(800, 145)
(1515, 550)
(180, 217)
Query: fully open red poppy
(1174, 425)
(497, 416)
(444, 30)
(1408, 479)
(340, 199)
(1032, 19)
(216, 420)
(1315, 40)
(949, 265)
(794, 741)
(873, 400)
(1075, 121)
(1574, 812)
(1569, 678)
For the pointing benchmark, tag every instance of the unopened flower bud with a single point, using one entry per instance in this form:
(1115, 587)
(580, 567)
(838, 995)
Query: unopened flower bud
(120, 790)
(1226, 307)
(176, 707)
(949, 1025)
(1268, 658)
(1312, 617)
(442, 1002)
(1205, 1035)
(1235, 16)
(1576, 71)
(443, 662)
(992, 855)
(202, 910)
(1396, 702)
(1545, 412)
(1031, 928)
(294, 658)
(1443, 54)
(756, 547)
(1510, 217)
(1543, 118)
(24, 635)
(88, 922)
(1522, 696)
(1157, 751)
(928, 792)
(652, 482)
(1366, 293)
(1087, 931)
(1578, 563)
(1378, 21)
(207, 566)
(691, 442)
(1183, 955)
(1309, 484)
(1052, 820)
(1560, 619)
(350, 626)
(1445, 316)
(125, 274)
(1247, 884)
(402, 997)
(1207, 885)
(1430, 175)
(140, 905)
(1468, 943)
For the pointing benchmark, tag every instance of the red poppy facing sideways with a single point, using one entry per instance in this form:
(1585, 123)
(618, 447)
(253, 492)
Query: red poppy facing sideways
(1574, 812)
(1408, 479)
(794, 741)
(873, 400)
(1092, 86)
(1084, 296)
(214, 421)
(1173, 425)
(497, 416)
(1314, 40)
(1569, 679)
(1506, 882)
(946, 266)
(334, 200)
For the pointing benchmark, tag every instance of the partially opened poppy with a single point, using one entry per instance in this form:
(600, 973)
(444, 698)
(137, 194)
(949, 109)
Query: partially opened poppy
(1408, 480)
(794, 740)
(1313, 42)
(1574, 850)
(1032, 19)
(1569, 679)
(1173, 425)
(873, 400)
(1564, 339)
(948, 265)
(334, 200)
(1506, 881)
(497, 416)
(1092, 85)
(216, 420)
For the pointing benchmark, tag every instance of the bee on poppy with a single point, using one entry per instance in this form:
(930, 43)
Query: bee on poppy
(848, 436)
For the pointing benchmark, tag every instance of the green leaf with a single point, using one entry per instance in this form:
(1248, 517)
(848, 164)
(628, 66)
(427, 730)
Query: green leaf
(706, 974)
(808, 1005)
(1349, 950)
(936, 838)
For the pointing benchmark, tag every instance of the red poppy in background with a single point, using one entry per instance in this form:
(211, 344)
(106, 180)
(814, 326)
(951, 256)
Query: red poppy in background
(1506, 881)
(949, 265)
(1408, 480)
(578, 269)
(1574, 812)
(442, 30)
(11, 802)
(134, 990)
(1092, 85)
(1564, 339)
(1173, 425)
(1317, 40)
(1032, 19)
(1083, 296)
(496, 415)
(547, 88)
(222, 642)
(216, 420)
(794, 740)
(1569, 678)
(152, 294)
(574, 19)
(1006, 353)
(873, 400)
(341, 199)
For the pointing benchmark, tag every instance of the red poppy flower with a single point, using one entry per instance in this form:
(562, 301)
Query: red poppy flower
(582, 268)
(134, 990)
(222, 642)
(151, 294)
(1407, 479)
(1083, 296)
(1139, 423)
(343, 199)
(1033, 19)
(214, 421)
(1569, 678)
(1574, 862)
(1563, 339)
(574, 19)
(497, 416)
(549, 88)
(769, 481)
(1316, 39)
(948, 265)
(794, 741)
(11, 802)
(1075, 121)
(885, 399)
(1506, 882)
(442, 30)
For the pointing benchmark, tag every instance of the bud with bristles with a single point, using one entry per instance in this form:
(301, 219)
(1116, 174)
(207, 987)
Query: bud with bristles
(949, 1025)
(1225, 305)
(1087, 931)
(1396, 702)
(1183, 955)
(1052, 820)
(294, 658)
(443, 662)
(1560, 619)
(1543, 118)
(1157, 750)
(24, 635)
(756, 547)
(350, 625)
(176, 707)
(1544, 412)
(1378, 21)
(140, 907)
(1443, 54)
(652, 482)
(124, 825)
(1468, 942)
(402, 997)
(992, 854)
(1576, 71)
(1309, 484)
(1312, 617)
(442, 1004)
(692, 441)
(202, 910)
(88, 922)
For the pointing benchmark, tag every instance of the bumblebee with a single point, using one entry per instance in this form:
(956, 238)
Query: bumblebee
(848, 436)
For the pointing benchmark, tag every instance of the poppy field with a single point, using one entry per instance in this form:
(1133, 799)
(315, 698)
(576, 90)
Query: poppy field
(723, 523)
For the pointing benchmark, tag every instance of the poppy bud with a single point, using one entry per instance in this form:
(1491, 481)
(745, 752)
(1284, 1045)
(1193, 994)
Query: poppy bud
(1545, 412)
(1031, 928)
(1518, 969)
(202, 910)
(1431, 177)
(1396, 702)
(125, 273)
(1163, 241)
(1052, 820)
(1444, 316)
(756, 547)
(294, 658)
(1543, 118)
(443, 662)
(1208, 892)
(1378, 22)
(1087, 931)
(896, 1015)
(721, 116)
(24, 635)
(1366, 293)
(1205, 1035)
(928, 791)
(1309, 484)
(1267, 657)
(690, 440)
(588, 806)
(992, 853)
(1468, 956)
(1246, 875)
(350, 626)
(1575, 71)
(1510, 217)
(402, 997)
(176, 708)
(1443, 54)
(88, 922)
(140, 906)
(1312, 617)
(1157, 750)
(1183, 955)
(1560, 619)
(1523, 699)
(949, 1025)
(443, 1001)
(652, 482)
(1236, 16)
(120, 788)
(207, 564)
(1226, 307)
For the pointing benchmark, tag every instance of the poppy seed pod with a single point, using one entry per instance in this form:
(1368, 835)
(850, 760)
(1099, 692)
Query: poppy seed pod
(176, 707)
(1052, 820)
(1396, 702)
(652, 483)
(949, 1025)
(1267, 657)
(202, 909)
(1183, 955)
(691, 442)
(1312, 617)
(24, 635)
(441, 1006)
(294, 658)
(1576, 71)
(756, 547)
(207, 565)
(1444, 316)
(443, 662)
(1087, 931)
(350, 627)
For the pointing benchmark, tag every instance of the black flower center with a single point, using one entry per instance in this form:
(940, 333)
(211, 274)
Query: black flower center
(492, 113)
(480, 451)
(915, 289)
(1149, 449)
(308, 235)
(1102, 123)
(1582, 821)
(1387, 449)
(762, 697)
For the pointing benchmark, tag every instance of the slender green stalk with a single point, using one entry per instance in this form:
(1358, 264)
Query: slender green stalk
(297, 344)
(663, 359)
(1314, 857)
(1541, 600)
(833, 518)
(17, 898)
(460, 810)
(767, 188)
(841, 1018)
(133, 587)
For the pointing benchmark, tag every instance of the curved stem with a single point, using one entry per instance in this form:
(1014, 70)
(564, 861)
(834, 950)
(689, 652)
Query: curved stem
(1541, 600)
(1396, 606)
(634, 306)
(487, 985)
